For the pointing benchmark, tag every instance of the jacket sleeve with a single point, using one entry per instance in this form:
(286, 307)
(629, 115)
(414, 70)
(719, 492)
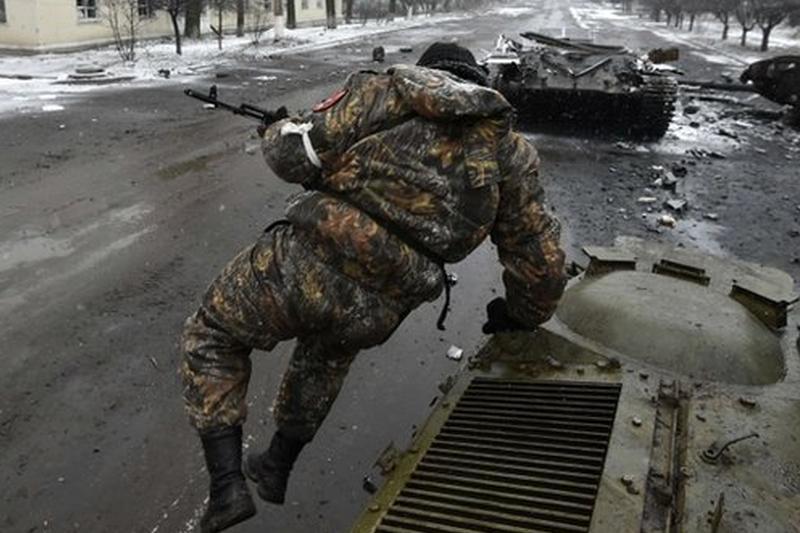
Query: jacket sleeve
(365, 103)
(527, 237)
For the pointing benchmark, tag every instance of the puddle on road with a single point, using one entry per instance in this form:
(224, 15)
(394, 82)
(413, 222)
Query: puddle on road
(702, 234)
(29, 249)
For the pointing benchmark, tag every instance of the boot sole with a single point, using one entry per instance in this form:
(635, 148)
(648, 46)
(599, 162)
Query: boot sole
(270, 496)
(245, 514)
(267, 496)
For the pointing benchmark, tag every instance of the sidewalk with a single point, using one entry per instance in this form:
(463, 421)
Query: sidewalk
(26, 81)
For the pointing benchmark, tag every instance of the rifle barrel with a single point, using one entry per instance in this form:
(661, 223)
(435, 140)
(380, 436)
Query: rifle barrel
(243, 109)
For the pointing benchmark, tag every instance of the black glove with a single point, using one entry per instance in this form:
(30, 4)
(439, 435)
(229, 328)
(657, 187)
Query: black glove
(498, 319)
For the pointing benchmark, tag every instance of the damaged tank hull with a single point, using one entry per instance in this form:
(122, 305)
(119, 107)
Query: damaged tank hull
(777, 79)
(662, 397)
(559, 81)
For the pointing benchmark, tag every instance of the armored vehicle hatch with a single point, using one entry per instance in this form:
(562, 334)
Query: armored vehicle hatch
(662, 397)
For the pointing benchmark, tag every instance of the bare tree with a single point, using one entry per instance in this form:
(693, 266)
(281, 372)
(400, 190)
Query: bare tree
(174, 9)
(330, 14)
(240, 8)
(348, 11)
(258, 15)
(770, 13)
(291, 14)
(220, 7)
(723, 9)
(194, 12)
(745, 16)
(280, 22)
(122, 16)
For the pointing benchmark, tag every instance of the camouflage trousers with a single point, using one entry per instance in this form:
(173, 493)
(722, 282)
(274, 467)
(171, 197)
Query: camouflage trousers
(275, 290)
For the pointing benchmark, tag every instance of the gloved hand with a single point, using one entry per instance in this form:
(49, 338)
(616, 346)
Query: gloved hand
(271, 118)
(498, 319)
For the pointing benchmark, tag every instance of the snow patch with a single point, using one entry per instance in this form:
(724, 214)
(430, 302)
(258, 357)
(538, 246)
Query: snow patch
(511, 11)
(52, 107)
(24, 79)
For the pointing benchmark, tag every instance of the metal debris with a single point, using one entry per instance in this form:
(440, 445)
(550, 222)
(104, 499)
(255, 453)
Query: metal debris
(679, 206)
(455, 353)
(368, 485)
(647, 200)
(447, 384)
(388, 459)
(667, 220)
(747, 402)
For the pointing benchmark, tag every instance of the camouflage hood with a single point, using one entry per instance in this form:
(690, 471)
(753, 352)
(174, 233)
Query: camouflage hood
(439, 95)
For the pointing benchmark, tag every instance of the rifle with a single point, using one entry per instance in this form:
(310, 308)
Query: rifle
(266, 118)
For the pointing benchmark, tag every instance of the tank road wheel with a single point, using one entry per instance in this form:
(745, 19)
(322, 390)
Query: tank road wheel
(656, 107)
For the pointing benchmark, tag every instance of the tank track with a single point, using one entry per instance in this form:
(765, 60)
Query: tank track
(656, 107)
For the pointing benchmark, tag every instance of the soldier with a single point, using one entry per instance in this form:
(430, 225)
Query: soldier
(404, 172)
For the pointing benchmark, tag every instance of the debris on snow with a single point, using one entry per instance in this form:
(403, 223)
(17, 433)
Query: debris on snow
(455, 353)
(676, 205)
(667, 220)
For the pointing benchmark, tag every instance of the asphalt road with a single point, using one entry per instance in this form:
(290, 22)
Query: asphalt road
(116, 213)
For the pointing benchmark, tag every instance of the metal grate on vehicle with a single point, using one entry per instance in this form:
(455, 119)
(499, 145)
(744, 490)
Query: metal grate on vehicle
(514, 456)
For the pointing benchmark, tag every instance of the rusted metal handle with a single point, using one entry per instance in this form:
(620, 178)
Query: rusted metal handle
(711, 456)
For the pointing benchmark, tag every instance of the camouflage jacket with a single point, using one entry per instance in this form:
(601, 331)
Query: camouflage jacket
(417, 167)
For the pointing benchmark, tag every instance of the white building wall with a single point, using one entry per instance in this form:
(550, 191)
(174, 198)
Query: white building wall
(40, 25)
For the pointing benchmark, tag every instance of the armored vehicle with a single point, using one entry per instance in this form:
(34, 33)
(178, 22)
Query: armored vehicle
(777, 79)
(664, 396)
(586, 84)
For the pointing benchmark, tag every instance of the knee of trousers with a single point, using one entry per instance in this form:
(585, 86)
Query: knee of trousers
(215, 371)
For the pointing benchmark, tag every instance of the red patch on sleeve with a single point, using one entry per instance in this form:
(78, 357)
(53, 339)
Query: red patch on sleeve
(330, 101)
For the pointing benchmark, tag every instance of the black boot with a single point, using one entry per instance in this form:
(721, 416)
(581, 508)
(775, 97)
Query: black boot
(271, 469)
(229, 500)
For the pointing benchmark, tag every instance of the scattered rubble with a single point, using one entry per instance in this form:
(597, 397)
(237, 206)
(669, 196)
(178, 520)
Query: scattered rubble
(667, 220)
(455, 353)
(679, 206)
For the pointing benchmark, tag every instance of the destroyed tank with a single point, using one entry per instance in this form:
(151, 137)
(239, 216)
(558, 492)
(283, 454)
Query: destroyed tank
(777, 79)
(663, 396)
(583, 84)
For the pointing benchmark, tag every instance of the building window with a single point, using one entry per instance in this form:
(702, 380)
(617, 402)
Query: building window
(145, 8)
(303, 4)
(87, 9)
(2, 10)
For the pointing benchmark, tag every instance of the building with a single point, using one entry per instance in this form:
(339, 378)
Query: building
(45, 25)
